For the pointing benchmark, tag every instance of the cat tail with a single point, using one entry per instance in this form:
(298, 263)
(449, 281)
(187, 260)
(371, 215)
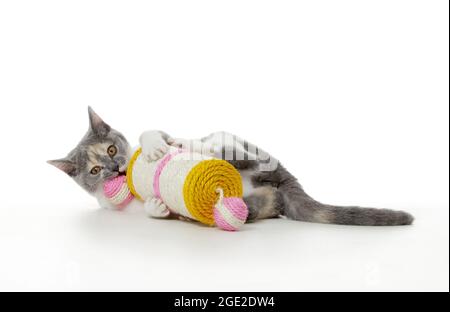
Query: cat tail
(295, 204)
(299, 206)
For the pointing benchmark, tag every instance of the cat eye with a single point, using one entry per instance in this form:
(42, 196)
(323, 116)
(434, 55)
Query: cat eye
(96, 170)
(112, 150)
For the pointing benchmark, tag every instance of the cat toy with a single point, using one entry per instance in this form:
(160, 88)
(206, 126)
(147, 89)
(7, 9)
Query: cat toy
(190, 184)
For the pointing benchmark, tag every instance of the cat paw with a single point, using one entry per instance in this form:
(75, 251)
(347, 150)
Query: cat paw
(155, 208)
(153, 145)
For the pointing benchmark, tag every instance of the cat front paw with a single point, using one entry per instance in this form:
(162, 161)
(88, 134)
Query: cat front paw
(155, 208)
(153, 145)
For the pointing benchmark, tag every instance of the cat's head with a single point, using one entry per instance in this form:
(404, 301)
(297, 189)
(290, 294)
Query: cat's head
(103, 153)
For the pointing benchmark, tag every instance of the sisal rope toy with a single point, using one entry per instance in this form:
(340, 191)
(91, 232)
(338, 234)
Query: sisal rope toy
(190, 184)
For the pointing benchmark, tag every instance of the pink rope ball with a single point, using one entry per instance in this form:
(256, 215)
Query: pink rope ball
(117, 192)
(230, 213)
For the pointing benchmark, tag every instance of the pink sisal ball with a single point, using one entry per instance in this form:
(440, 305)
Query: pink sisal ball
(117, 192)
(230, 213)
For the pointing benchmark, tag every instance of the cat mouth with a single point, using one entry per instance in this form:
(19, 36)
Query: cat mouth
(119, 173)
(122, 171)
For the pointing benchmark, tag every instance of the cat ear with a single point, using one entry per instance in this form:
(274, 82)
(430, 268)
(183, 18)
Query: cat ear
(97, 125)
(65, 165)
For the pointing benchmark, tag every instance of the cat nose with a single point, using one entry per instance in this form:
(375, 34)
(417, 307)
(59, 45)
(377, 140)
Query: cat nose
(115, 167)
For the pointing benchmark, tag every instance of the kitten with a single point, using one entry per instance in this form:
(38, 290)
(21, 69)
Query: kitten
(269, 189)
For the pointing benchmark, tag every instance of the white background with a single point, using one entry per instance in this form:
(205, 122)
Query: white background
(352, 96)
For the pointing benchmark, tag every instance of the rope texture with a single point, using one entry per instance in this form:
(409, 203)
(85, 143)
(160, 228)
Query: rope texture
(201, 185)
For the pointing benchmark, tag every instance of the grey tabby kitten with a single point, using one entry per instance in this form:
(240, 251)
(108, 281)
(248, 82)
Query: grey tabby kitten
(269, 189)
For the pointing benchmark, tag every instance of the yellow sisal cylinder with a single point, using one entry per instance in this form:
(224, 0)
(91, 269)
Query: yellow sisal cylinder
(186, 182)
